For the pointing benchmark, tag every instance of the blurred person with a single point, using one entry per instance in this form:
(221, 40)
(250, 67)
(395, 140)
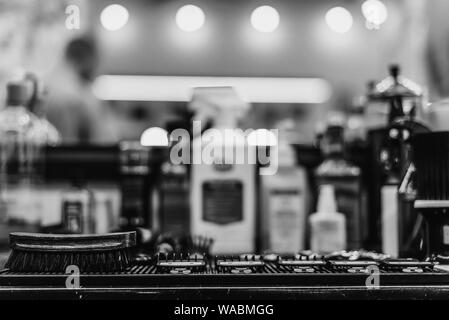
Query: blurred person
(72, 107)
(32, 37)
(438, 49)
(13, 29)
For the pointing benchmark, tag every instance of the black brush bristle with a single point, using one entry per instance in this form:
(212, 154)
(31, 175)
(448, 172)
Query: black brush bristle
(95, 261)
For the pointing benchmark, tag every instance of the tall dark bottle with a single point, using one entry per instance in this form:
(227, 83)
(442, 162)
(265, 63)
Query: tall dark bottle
(135, 174)
(389, 144)
(174, 186)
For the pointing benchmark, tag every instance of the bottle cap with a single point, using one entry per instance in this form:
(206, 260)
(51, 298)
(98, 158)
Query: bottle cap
(17, 93)
(222, 105)
(336, 119)
(286, 155)
(395, 70)
(326, 200)
(332, 141)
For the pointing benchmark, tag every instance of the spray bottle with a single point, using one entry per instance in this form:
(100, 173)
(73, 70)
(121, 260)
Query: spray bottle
(223, 176)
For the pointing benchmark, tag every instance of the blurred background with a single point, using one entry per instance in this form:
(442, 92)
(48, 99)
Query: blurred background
(329, 49)
(97, 80)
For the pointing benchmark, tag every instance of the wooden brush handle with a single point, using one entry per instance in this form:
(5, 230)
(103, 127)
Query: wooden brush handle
(70, 242)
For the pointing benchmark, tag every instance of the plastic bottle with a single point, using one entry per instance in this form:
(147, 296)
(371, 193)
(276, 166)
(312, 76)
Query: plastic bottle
(174, 187)
(19, 149)
(284, 201)
(44, 134)
(346, 179)
(223, 190)
(327, 226)
(135, 186)
(78, 205)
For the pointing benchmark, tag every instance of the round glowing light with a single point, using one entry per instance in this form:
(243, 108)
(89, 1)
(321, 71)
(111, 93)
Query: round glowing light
(114, 17)
(339, 19)
(190, 18)
(375, 13)
(154, 137)
(265, 19)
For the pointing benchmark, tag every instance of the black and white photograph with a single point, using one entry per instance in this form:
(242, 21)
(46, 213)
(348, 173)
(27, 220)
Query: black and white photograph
(224, 158)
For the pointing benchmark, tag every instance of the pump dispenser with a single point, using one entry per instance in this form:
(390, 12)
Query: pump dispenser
(390, 157)
(223, 188)
(327, 226)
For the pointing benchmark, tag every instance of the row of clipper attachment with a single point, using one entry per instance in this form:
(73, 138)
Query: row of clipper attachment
(179, 263)
(250, 263)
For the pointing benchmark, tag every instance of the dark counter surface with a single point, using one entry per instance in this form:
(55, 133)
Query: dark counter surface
(234, 293)
(224, 293)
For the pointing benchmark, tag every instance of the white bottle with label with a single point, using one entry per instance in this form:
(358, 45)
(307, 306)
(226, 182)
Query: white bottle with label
(390, 220)
(328, 227)
(284, 203)
(223, 190)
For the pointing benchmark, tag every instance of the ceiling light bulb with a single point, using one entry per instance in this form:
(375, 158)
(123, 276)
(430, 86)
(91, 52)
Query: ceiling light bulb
(114, 17)
(265, 19)
(190, 18)
(339, 19)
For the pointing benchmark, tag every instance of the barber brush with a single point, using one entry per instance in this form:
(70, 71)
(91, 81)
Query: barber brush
(33, 252)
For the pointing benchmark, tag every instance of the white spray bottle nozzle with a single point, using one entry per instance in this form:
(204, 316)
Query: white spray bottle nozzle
(221, 104)
(326, 200)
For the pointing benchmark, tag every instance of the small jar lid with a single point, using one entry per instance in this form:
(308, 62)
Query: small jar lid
(394, 85)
